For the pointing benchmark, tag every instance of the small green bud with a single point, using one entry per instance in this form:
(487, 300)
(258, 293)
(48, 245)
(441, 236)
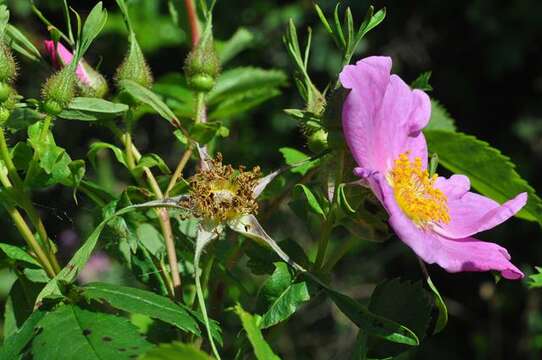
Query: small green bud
(8, 66)
(98, 85)
(59, 91)
(134, 67)
(5, 91)
(201, 82)
(202, 67)
(317, 141)
(4, 115)
(52, 107)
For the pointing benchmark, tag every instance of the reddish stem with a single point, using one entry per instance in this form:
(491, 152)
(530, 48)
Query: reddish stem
(192, 21)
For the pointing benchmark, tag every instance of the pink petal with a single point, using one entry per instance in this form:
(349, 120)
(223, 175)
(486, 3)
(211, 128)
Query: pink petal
(454, 255)
(472, 213)
(382, 116)
(62, 57)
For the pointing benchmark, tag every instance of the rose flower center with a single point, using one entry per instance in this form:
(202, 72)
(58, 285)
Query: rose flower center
(222, 193)
(415, 193)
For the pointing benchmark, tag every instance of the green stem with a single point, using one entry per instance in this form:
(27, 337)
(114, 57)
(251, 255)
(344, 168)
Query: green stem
(25, 231)
(327, 226)
(203, 308)
(201, 115)
(179, 169)
(132, 157)
(26, 202)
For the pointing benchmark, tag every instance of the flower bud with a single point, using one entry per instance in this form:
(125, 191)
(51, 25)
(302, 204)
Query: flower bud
(202, 67)
(134, 67)
(5, 91)
(58, 91)
(90, 82)
(317, 141)
(8, 66)
(4, 115)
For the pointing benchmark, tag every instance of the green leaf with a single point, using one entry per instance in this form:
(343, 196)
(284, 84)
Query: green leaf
(406, 303)
(243, 80)
(177, 94)
(142, 302)
(16, 343)
(97, 146)
(20, 43)
(314, 205)
(241, 40)
(422, 82)
(149, 161)
(262, 350)
(4, 18)
(372, 323)
(490, 172)
(92, 109)
(53, 160)
(22, 296)
(282, 295)
(440, 119)
(175, 351)
(22, 118)
(442, 318)
(70, 332)
(18, 254)
(94, 24)
(535, 280)
(203, 133)
(242, 102)
(151, 239)
(148, 97)
(294, 156)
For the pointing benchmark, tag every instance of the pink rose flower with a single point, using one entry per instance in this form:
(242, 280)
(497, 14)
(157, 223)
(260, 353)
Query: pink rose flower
(435, 216)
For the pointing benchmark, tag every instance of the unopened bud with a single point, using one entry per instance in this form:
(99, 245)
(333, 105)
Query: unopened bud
(317, 141)
(134, 67)
(202, 67)
(8, 66)
(90, 82)
(58, 91)
(4, 115)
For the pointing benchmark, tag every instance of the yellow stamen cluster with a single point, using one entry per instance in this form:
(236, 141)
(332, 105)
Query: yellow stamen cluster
(222, 193)
(415, 192)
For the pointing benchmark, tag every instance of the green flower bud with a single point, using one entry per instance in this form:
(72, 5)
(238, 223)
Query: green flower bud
(201, 82)
(8, 66)
(317, 141)
(4, 115)
(202, 67)
(52, 107)
(59, 90)
(134, 67)
(5, 91)
(98, 85)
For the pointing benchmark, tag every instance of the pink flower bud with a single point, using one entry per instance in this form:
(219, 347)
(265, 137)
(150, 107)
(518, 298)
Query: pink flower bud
(91, 82)
(62, 57)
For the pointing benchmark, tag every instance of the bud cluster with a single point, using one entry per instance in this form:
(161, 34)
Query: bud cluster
(8, 73)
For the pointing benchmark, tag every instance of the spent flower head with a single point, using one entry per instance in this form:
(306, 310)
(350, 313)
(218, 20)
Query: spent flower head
(220, 193)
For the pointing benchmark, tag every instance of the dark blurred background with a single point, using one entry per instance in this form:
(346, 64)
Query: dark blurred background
(485, 56)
